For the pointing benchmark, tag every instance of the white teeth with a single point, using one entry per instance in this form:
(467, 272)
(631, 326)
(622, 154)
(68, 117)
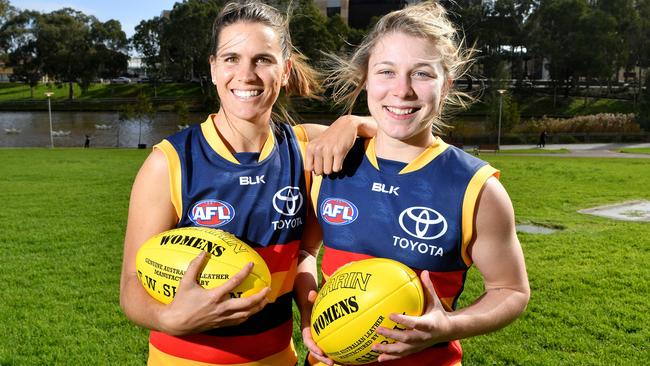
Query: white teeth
(400, 111)
(247, 93)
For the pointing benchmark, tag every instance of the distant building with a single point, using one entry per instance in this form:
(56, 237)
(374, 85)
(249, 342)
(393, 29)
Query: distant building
(359, 13)
(136, 67)
(6, 73)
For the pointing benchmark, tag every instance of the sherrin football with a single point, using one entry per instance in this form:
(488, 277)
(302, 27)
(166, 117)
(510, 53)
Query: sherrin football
(163, 259)
(357, 299)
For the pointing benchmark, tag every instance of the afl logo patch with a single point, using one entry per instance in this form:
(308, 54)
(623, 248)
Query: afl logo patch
(423, 223)
(212, 213)
(337, 211)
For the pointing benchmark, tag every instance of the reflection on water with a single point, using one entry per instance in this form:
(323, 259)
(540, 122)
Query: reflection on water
(32, 129)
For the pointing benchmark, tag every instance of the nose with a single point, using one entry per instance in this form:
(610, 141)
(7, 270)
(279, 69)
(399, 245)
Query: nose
(403, 88)
(246, 72)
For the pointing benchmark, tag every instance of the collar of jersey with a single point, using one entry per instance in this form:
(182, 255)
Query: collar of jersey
(420, 161)
(216, 143)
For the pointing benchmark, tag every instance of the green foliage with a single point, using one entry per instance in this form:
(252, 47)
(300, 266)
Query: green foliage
(643, 115)
(66, 45)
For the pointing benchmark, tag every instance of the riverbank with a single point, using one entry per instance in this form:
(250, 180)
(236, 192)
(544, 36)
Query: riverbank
(112, 97)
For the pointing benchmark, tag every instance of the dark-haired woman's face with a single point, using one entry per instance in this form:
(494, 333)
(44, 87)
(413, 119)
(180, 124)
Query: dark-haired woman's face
(249, 71)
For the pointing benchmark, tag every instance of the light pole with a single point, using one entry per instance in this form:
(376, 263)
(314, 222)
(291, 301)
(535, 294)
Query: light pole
(49, 109)
(500, 91)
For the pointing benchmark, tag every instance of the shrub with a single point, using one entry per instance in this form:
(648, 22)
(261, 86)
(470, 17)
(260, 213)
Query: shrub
(602, 122)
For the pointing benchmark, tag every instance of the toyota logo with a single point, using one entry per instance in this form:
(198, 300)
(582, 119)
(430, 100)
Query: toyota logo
(423, 223)
(288, 201)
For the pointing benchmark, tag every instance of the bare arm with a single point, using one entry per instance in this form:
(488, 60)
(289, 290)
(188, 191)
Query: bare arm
(194, 309)
(306, 284)
(498, 256)
(328, 146)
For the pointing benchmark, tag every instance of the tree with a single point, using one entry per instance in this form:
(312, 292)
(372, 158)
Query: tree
(19, 48)
(78, 48)
(146, 40)
(186, 38)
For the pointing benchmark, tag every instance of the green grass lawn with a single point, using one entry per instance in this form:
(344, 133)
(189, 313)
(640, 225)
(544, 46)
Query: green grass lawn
(65, 212)
(637, 150)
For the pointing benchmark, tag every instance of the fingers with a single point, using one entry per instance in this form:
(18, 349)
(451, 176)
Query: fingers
(327, 163)
(337, 163)
(237, 279)
(431, 298)
(194, 270)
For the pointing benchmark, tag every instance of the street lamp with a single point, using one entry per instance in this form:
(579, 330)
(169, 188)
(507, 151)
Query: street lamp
(500, 91)
(49, 109)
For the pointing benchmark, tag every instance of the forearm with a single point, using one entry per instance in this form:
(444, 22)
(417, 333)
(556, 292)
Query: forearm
(138, 306)
(495, 309)
(366, 126)
(306, 281)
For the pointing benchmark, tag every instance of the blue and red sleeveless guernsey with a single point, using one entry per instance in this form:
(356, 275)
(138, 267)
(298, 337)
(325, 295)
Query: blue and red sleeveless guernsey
(421, 214)
(263, 202)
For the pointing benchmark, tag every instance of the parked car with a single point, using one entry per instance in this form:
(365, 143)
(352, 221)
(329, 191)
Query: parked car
(121, 80)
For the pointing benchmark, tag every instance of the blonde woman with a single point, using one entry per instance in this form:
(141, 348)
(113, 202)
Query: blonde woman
(410, 196)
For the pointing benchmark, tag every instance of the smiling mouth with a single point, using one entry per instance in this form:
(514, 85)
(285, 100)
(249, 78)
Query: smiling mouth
(246, 94)
(401, 111)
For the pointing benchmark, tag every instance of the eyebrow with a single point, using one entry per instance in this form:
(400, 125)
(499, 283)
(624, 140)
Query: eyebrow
(390, 63)
(231, 54)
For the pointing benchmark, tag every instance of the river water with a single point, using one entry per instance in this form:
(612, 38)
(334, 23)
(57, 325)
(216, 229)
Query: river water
(32, 129)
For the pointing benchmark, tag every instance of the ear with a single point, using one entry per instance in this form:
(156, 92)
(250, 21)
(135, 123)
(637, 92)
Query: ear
(287, 72)
(213, 69)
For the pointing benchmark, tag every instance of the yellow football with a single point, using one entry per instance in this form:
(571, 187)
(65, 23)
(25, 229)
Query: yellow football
(162, 261)
(357, 299)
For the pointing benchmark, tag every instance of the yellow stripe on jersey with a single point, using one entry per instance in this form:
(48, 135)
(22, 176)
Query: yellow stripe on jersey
(370, 152)
(426, 156)
(303, 139)
(469, 205)
(174, 169)
(283, 358)
(216, 143)
(315, 191)
(420, 161)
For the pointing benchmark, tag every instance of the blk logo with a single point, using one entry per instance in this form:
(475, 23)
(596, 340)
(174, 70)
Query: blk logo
(212, 213)
(338, 211)
(423, 223)
(288, 201)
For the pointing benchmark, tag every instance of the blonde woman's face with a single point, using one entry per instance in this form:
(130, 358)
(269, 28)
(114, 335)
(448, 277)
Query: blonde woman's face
(249, 71)
(405, 85)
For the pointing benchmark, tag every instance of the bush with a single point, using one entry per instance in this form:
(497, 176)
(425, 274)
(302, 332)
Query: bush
(603, 122)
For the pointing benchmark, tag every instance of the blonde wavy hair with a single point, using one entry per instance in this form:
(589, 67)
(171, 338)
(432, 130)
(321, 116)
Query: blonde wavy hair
(428, 20)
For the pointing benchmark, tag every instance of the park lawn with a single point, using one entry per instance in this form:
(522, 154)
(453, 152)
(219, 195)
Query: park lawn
(64, 217)
(636, 150)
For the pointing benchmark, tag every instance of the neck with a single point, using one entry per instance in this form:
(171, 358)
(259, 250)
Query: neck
(240, 135)
(405, 151)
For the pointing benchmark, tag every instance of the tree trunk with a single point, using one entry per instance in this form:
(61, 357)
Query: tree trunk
(70, 90)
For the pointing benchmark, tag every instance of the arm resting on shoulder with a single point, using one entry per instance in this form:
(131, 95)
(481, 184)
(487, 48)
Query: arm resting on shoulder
(328, 146)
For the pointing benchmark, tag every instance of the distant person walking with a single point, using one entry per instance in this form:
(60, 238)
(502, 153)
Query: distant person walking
(542, 139)
(87, 142)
